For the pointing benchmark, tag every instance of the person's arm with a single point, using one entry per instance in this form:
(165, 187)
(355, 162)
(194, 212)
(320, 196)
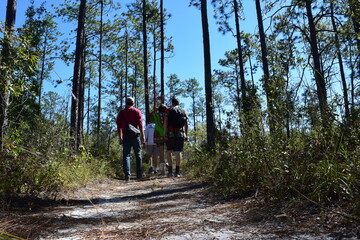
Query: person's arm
(165, 127)
(120, 137)
(186, 130)
(141, 128)
(119, 128)
(142, 135)
(146, 133)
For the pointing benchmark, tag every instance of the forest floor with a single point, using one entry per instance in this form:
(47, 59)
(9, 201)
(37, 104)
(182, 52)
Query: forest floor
(169, 209)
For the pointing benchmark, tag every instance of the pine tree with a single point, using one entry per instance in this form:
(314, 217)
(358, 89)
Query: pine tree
(77, 103)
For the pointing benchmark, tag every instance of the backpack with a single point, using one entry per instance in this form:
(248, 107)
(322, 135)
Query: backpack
(177, 117)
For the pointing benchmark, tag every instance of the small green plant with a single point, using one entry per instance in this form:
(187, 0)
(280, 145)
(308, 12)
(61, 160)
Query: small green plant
(323, 168)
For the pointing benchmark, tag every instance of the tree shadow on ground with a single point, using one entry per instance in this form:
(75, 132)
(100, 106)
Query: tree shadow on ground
(29, 218)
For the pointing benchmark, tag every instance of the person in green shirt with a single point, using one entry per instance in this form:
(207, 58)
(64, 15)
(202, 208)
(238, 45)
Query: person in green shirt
(160, 119)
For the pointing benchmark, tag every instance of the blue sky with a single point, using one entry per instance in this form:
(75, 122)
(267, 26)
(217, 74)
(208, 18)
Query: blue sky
(185, 28)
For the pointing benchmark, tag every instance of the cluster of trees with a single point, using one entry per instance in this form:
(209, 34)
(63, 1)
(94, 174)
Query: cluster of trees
(108, 51)
(316, 39)
(307, 54)
(299, 127)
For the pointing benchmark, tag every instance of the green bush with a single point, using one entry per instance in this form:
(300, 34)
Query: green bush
(38, 162)
(33, 174)
(311, 165)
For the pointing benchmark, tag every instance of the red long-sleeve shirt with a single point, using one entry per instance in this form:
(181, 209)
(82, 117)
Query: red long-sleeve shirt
(127, 116)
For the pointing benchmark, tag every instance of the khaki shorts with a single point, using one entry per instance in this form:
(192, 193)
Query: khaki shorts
(152, 150)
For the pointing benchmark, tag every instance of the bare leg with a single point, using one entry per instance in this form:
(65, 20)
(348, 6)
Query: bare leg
(155, 162)
(169, 158)
(150, 161)
(162, 157)
(178, 161)
(178, 158)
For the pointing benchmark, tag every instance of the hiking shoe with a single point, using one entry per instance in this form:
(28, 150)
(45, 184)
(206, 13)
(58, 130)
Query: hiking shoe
(127, 179)
(177, 175)
(170, 174)
(151, 170)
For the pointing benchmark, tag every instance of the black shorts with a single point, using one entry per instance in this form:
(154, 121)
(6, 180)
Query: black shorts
(175, 144)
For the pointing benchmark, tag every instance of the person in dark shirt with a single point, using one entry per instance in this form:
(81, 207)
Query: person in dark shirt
(176, 135)
(133, 116)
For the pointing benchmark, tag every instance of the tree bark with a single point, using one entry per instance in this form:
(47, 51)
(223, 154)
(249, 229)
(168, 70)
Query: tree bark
(264, 56)
(76, 86)
(341, 65)
(126, 66)
(355, 16)
(146, 80)
(154, 69)
(162, 57)
(6, 80)
(100, 75)
(42, 72)
(82, 96)
(241, 61)
(210, 126)
(319, 75)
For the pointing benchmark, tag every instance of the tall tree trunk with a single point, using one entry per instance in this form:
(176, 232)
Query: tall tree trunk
(146, 80)
(354, 9)
(319, 75)
(135, 86)
(240, 59)
(264, 56)
(162, 57)
(121, 90)
(42, 72)
(341, 65)
(100, 75)
(352, 84)
(210, 126)
(82, 97)
(76, 86)
(154, 70)
(126, 65)
(355, 16)
(88, 107)
(5, 79)
(238, 89)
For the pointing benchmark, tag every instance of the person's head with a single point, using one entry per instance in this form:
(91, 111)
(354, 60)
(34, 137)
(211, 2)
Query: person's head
(162, 108)
(129, 101)
(175, 101)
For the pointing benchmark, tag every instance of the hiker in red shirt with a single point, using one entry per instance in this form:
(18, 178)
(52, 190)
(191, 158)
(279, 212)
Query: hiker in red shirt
(131, 135)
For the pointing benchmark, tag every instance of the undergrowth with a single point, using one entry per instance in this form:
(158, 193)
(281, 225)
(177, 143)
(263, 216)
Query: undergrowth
(44, 175)
(310, 166)
(42, 164)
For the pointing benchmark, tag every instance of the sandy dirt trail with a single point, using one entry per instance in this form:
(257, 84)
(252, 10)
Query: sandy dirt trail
(167, 209)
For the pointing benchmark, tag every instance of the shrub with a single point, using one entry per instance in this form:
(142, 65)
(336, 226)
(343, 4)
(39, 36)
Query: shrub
(322, 168)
